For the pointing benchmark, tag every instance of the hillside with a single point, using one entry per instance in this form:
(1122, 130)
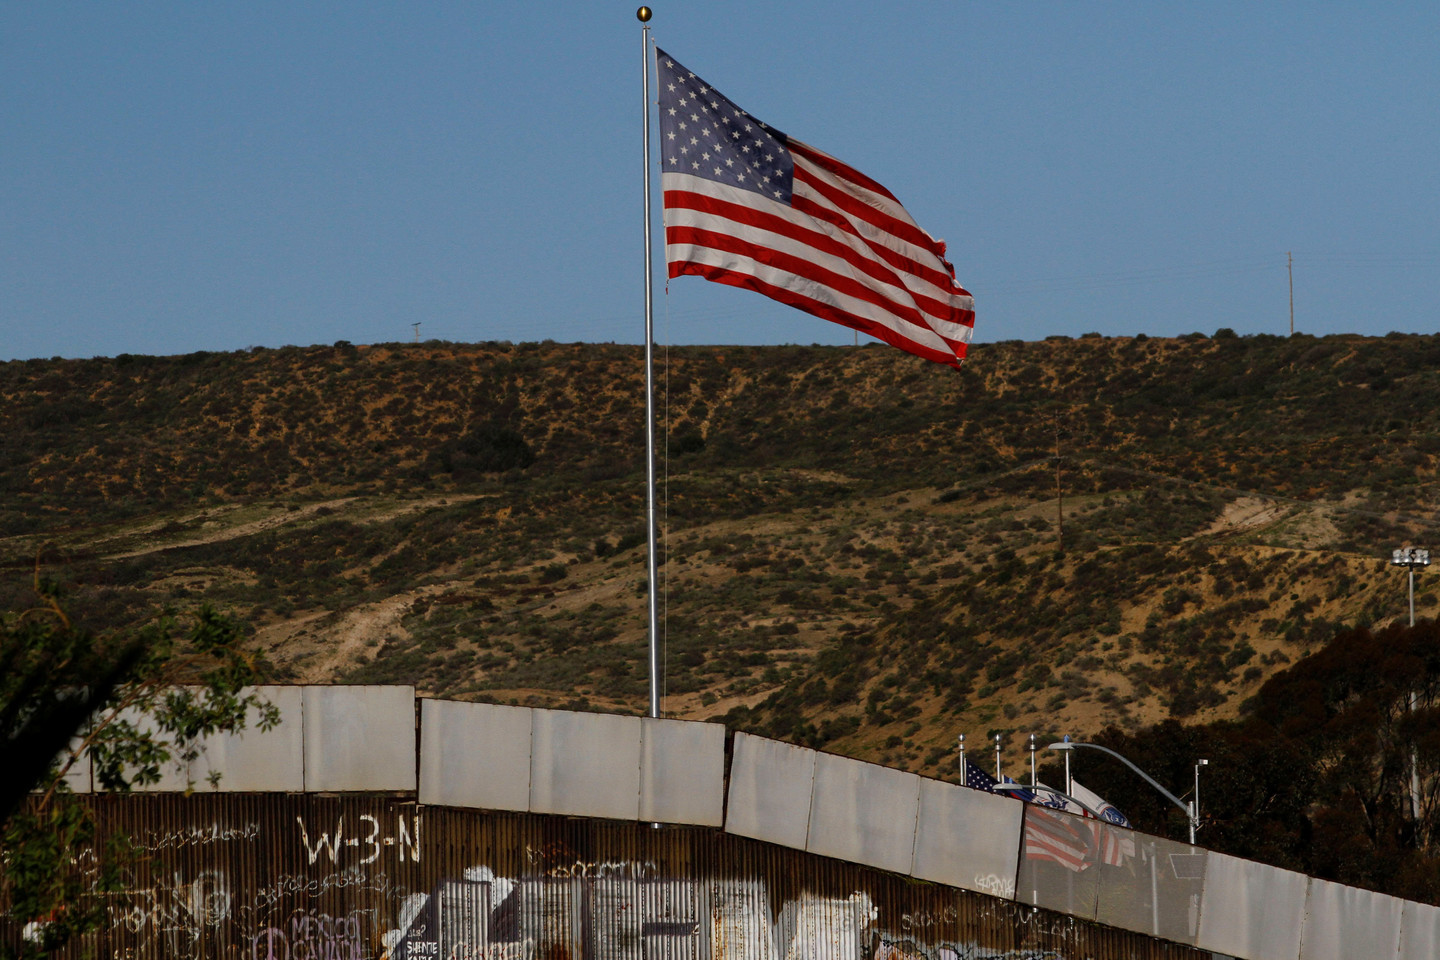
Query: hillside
(865, 552)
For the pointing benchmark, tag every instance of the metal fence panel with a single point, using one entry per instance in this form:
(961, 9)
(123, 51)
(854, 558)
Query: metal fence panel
(682, 772)
(968, 838)
(475, 755)
(1342, 923)
(174, 775)
(1251, 910)
(1057, 852)
(1419, 931)
(359, 738)
(770, 789)
(254, 760)
(78, 778)
(286, 877)
(1148, 884)
(585, 764)
(863, 813)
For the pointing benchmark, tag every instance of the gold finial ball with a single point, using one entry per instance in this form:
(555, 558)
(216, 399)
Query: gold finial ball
(643, 14)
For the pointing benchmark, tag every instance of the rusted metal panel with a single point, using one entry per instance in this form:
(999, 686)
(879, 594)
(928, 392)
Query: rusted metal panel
(286, 877)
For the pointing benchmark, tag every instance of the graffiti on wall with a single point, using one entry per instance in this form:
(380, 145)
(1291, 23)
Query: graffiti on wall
(482, 917)
(370, 879)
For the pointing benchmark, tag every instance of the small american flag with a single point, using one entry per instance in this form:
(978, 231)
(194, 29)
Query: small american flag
(977, 779)
(747, 206)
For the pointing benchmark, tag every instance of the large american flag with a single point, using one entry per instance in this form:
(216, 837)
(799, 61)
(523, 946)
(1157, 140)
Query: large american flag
(748, 206)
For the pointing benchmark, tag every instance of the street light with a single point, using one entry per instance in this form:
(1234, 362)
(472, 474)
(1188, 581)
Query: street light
(1189, 808)
(1410, 558)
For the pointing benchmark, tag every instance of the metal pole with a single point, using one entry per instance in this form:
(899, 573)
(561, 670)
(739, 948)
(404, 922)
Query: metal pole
(1033, 781)
(1290, 269)
(1195, 803)
(1414, 705)
(643, 15)
(962, 758)
(998, 777)
(1411, 569)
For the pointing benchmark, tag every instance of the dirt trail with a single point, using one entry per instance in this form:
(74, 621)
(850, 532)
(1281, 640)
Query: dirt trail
(283, 517)
(1247, 513)
(323, 645)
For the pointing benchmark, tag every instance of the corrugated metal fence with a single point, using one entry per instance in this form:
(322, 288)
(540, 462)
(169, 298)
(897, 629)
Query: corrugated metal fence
(316, 877)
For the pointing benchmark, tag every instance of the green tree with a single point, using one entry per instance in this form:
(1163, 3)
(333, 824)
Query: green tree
(136, 699)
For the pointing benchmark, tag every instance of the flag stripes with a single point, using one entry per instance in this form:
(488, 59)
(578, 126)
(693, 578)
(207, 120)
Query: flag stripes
(1056, 837)
(747, 206)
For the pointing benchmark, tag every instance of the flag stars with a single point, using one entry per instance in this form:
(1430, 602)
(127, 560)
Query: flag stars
(695, 121)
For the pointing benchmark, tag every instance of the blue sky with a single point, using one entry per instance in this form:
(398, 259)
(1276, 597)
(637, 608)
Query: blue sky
(178, 177)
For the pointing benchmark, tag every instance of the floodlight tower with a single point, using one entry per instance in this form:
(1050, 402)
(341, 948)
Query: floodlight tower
(1410, 558)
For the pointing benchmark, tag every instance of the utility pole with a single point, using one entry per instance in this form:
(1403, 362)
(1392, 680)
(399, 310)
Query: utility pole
(1290, 269)
(417, 331)
(1059, 494)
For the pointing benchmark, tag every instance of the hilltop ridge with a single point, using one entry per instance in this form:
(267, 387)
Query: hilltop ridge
(865, 552)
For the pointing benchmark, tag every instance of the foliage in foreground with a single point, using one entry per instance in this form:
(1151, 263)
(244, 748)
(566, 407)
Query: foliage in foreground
(64, 690)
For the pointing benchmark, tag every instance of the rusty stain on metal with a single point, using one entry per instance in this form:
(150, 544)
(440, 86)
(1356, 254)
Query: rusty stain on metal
(313, 877)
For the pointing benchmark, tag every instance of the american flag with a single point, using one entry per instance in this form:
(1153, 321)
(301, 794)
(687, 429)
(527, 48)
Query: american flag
(977, 779)
(747, 206)
(1050, 835)
(1114, 846)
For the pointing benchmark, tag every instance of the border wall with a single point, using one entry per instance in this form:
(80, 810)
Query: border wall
(370, 823)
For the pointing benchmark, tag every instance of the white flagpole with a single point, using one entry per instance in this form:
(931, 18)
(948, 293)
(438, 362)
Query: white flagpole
(643, 15)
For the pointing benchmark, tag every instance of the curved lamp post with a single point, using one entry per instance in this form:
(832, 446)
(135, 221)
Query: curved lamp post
(1191, 813)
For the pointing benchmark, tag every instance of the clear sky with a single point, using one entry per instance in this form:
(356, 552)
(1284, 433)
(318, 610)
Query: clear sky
(215, 176)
